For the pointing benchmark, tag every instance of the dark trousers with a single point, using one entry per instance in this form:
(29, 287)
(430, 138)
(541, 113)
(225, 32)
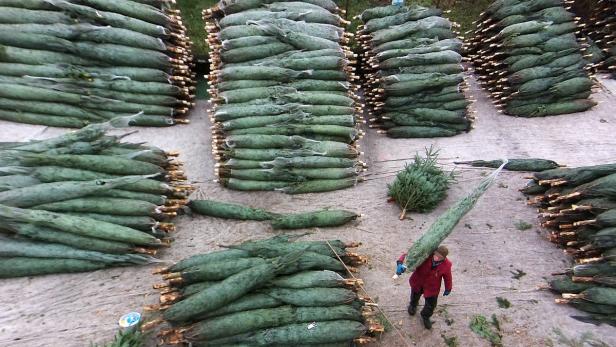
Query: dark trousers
(429, 305)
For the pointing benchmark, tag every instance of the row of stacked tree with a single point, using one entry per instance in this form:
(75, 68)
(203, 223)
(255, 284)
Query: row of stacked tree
(71, 63)
(284, 106)
(272, 292)
(597, 28)
(578, 205)
(84, 201)
(414, 78)
(528, 57)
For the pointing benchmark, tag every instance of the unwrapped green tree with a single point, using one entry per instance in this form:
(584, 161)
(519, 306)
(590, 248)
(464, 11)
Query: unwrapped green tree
(422, 185)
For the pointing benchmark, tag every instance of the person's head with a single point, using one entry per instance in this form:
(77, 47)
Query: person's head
(440, 253)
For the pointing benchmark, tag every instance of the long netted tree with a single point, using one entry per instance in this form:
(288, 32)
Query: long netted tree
(464, 12)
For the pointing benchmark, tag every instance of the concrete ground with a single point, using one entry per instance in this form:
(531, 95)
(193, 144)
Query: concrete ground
(74, 310)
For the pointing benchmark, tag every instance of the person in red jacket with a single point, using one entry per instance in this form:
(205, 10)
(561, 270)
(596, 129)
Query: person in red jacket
(426, 281)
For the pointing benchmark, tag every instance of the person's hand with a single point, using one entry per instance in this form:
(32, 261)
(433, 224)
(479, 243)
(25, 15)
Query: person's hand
(446, 292)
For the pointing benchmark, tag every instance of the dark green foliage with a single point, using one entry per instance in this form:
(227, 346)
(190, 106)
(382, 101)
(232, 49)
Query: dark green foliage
(130, 337)
(450, 341)
(522, 225)
(530, 164)
(321, 333)
(320, 218)
(566, 285)
(228, 290)
(69, 203)
(284, 95)
(503, 302)
(479, 325)
(422, 185)
(228, 210)
(290, 295)
(325, 218)
(579, 207)
(415, 54)
(24, 266)
(529, 58)
(93, 61)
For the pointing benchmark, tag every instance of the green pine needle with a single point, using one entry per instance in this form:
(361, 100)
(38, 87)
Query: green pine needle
(422, 185)
(132, 337)
(502, 302)
(522, 225)
(480, 326)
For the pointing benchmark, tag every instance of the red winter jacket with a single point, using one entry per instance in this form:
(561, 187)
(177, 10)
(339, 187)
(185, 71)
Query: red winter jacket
(429, 279)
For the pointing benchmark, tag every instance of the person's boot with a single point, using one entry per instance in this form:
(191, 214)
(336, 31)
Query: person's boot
(426, 323)
(411, 310)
